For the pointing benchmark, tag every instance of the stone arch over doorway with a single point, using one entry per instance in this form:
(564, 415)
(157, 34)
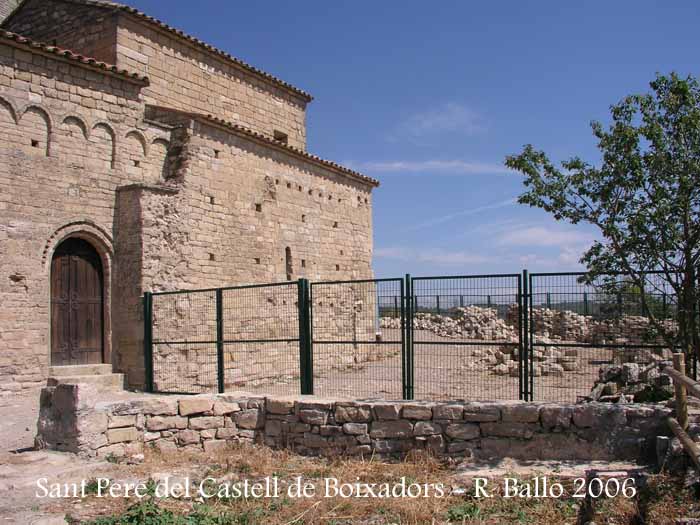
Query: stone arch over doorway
(80, 299)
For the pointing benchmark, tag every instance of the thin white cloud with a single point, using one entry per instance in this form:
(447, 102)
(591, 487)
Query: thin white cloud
(463, 213)
(450, 117)
(432, 167)
(438, 257)
(542, 236)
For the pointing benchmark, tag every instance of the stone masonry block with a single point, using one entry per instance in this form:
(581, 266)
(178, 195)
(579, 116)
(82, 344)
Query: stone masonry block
(206, 422)
(121, 435)
(448, 412)
(353, 413)
(279, 406)
(521, 413)
(251, 419)
(222, 408)
(421, 412)
(481, 412)
(355, 429)
(508, 429)
(195, 405)
(391, 429)
(462, 431)
(386, 411)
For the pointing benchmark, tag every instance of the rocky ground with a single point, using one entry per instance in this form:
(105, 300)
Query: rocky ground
(659, 499)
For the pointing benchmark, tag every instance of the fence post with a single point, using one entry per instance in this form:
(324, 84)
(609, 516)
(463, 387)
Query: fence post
(437, 303)
(411, 302)
(220, 340)
(306, 363)
(148, 340)
(585, 303)
(681, 393)
(525, 342)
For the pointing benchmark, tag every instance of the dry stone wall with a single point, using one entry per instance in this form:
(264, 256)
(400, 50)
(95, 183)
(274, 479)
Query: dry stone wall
(70, 420)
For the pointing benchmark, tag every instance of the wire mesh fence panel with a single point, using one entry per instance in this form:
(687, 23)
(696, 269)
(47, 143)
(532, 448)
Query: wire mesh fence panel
(465, 334)
(357, 336)
(261, 338)
(184, 353)
(578, 328)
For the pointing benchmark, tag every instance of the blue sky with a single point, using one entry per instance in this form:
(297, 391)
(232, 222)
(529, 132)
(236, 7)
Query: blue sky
(429, 97)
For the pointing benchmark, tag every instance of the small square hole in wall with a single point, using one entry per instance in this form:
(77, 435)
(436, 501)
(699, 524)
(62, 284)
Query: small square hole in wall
(366, 201)
(258, 207)
(289, 185)
(300, 187)
(277, 181)
(212, 200)
(216, 153)
(35, 143)
(342, 252)
(137, 163)
(340, 200)
(303, 218)
(337, 267)
(303, 263)
(320, 194)
(335, 224)
(257, 260)
(281, 136)
(311, 192)
(330, 197)
(359, 199)
(212, 257)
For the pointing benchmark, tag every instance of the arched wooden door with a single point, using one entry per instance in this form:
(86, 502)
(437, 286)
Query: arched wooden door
(76, 304)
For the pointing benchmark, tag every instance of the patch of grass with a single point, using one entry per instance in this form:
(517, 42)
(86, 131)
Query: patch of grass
(92, 486)
(468, 510)
(661, 502)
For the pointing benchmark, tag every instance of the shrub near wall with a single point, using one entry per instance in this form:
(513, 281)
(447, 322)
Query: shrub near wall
(70, 421)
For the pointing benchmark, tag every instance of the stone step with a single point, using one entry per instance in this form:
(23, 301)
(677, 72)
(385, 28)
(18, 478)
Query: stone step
(79, 370)
(104, 382)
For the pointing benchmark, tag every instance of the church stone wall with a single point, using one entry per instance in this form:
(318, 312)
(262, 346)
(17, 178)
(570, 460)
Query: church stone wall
(188, 78)
(68, 138)
(80, 28)
(169, 203)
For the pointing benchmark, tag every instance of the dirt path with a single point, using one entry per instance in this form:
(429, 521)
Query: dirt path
(18, 415)
(442, 370)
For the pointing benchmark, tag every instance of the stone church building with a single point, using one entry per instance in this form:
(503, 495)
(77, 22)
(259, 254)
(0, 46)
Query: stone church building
(136, 158)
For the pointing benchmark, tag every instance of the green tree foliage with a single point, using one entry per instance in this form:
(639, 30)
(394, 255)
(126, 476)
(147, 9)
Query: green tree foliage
(643, 197)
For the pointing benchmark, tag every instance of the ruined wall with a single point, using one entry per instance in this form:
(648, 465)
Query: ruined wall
(69, 136)
(70, 420)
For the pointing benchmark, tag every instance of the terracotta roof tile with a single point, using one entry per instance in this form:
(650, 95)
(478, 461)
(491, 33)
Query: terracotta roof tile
(70, 55)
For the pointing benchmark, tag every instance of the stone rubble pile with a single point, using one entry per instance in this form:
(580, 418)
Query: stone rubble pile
(470, 322)
(546, 360)
(549, 327)
(631, 383)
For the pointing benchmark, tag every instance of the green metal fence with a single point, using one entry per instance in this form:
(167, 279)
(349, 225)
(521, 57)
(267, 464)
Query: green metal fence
(529, 336)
